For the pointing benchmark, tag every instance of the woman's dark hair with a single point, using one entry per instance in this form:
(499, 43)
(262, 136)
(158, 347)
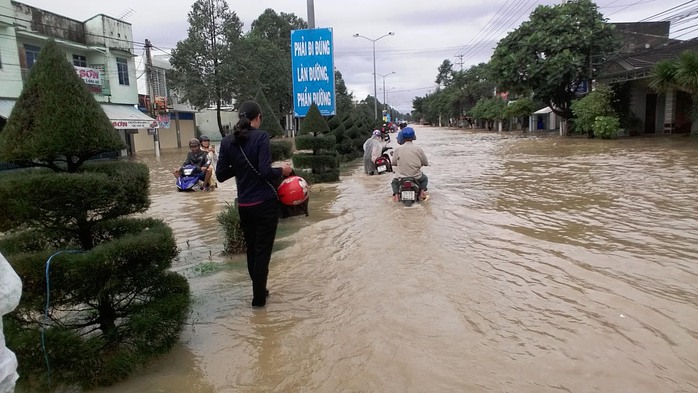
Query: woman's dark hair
(248, 111)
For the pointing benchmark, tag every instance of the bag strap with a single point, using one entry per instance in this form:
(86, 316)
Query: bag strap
(257, 172)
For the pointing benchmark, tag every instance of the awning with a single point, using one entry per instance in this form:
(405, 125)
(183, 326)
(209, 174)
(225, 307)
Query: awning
(6, 106)
(543, 111)
(128, 117)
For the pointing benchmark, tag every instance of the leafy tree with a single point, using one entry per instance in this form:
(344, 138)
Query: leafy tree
(587, 109)
(267, 62)
(445, 75)
(114, 303)
(489, 110)
(553, 53)
(343, 98)
(205, 65)
(519, 109)
(680, 74)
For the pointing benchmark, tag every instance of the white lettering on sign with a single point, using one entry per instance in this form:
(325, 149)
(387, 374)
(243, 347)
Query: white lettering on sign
(315, 73)
(299, 48)
(90, 76)
(133, 124)
(312, 48)
(320, 98)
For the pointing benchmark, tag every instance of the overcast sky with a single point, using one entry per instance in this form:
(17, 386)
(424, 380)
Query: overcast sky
(426, 32)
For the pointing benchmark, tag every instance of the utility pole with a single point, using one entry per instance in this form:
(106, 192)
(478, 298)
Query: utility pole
(460, 62)
(311, 14)
(151, 94)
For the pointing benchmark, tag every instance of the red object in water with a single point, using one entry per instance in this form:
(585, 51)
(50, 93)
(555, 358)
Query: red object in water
(294, 190)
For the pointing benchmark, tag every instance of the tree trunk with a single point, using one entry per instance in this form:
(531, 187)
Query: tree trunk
(218, 118)
(107, 316)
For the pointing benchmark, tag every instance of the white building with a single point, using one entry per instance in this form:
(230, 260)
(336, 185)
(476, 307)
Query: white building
(176, 125)
(100, 49)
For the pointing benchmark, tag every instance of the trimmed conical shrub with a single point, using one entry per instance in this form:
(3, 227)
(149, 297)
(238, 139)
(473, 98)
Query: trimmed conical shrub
(114, 303)
(314, 135)
(56, 121)
(270, 123)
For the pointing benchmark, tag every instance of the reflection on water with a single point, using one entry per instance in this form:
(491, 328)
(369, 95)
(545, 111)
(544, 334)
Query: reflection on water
(539, 264)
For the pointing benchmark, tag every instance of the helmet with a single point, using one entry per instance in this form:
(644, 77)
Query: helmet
(402, 124)
(377, 133)
(194, 142)
(204, 138)
(294, 190)
(408, 133)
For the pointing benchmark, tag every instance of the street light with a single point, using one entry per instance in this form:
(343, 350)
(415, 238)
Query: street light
(383, 76)
(375, 89)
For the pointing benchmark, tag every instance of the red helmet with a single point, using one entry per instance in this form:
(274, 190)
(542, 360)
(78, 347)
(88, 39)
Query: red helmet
(294, 190)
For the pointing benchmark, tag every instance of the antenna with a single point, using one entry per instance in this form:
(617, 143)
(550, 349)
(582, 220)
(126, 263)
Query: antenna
(126, 14)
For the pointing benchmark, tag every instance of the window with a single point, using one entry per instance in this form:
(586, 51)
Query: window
(32, 53)
(79, 61)
(122, 70)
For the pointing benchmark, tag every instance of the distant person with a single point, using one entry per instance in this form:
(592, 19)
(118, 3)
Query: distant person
(200, 160)
(246, 155)
(399, 138)
(408, 160)
(372, 149)
(212, 154)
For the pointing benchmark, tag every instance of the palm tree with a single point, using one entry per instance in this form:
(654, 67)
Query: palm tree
(679, 74)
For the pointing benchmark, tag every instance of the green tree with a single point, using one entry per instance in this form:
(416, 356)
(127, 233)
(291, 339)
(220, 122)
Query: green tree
(553, 53)
(314, 135)
(519, 109)
(679, 74)
(445, 75)
(267, 60)
(114, 304)
(73, 131)
(489, 110)
(206, 65)
(587, 109)
(270, 123)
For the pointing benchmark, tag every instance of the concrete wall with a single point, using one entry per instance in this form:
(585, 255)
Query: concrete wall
(168, 136)
(208, 125)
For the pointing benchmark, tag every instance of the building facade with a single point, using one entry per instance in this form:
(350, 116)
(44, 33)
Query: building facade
(176, 121)
(100, 49)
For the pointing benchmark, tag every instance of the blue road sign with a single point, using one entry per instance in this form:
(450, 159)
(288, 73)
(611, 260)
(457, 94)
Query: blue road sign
(312, 68)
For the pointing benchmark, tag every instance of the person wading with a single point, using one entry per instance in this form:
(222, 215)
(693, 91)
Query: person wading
(246, 155)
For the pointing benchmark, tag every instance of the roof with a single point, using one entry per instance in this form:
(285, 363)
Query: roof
(638, 65)
(543, 111)
(124, 112)
(6, 106)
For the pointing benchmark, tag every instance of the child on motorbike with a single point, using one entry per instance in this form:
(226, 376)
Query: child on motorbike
(198, 158)
(408, 160)
(212, 156)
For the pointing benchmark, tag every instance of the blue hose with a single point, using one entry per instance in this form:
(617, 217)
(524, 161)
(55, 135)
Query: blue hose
(48, 299)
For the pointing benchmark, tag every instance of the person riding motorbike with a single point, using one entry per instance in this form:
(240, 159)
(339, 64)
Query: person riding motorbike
(399, 138)
(198, 158)
(372, 149)
(408, 160)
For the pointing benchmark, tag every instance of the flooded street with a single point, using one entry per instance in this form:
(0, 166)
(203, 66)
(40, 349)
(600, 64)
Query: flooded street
(539, 264)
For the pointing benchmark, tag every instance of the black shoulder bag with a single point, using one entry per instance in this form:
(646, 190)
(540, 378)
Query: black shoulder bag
(284, 211)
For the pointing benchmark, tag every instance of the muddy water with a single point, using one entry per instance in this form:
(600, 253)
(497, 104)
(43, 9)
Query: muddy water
(539, 264)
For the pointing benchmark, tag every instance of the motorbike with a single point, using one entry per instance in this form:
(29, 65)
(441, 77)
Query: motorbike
(408, 190)
(188, 178)
(384, 162)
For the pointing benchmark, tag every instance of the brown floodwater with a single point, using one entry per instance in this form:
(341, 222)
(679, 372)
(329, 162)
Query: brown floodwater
(539, 264)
